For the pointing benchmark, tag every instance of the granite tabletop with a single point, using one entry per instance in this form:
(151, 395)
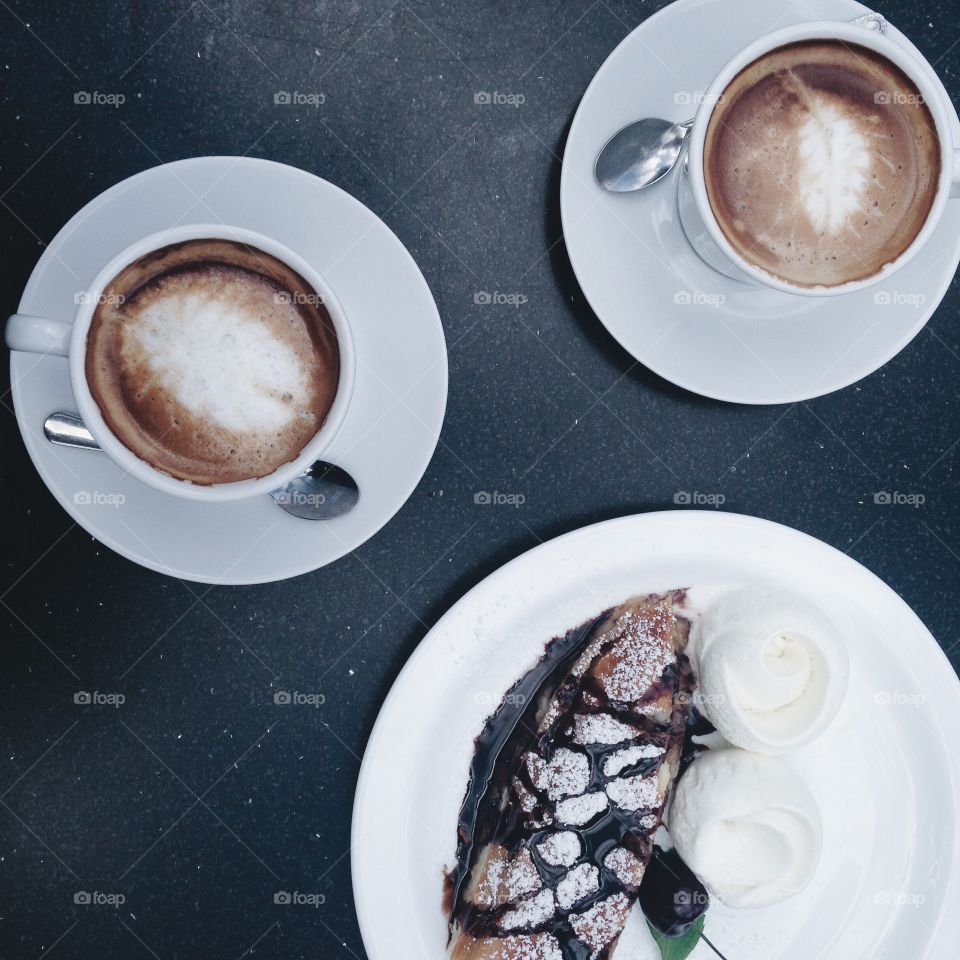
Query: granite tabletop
(196, 800)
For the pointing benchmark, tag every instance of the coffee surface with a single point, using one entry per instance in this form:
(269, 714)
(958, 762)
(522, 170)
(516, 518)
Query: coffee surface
(821, 162)
(212, 360)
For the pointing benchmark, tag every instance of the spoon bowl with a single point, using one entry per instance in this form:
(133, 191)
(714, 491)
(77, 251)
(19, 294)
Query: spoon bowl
(323, 492)
(640, 154)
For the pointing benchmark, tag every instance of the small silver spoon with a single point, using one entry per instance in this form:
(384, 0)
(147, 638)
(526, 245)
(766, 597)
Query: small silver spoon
(645, 151)
(641, 153)
(323, 492)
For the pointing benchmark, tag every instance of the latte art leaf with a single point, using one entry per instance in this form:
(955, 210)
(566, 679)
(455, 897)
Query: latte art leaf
(835, 162)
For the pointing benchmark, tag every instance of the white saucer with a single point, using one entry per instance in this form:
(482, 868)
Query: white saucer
(633, 262)
(887, 781)
(392, 425)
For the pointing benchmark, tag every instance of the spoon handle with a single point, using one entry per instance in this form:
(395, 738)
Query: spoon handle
(68, 431)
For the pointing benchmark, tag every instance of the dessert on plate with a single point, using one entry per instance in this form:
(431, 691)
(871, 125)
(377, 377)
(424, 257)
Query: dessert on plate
(568, 787)
(598, 784)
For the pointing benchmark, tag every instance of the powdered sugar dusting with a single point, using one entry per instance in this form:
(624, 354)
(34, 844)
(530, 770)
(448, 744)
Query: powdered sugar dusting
(576, 811)
(560, 849)
(530, 912)
(622, 759)
(566, 773)
(625, 866)
(641, 657)
(634, 793)
(506, 878)
(597, 926)
(601, 728)
(578, 884)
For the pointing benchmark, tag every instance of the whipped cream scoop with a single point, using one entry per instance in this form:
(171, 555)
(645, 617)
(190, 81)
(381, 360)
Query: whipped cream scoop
(773, 670)
(747, 826)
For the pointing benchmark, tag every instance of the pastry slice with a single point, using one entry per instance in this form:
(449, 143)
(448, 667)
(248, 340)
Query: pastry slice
(567, 789)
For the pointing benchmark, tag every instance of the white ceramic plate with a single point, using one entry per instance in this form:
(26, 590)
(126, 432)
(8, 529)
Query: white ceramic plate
(712, 335)
(394, 417)
(886, 780)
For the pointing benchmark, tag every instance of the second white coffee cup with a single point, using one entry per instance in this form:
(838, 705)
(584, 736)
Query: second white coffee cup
(696, 214)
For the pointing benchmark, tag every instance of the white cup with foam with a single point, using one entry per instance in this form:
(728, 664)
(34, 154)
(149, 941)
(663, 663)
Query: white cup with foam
(696, 214)
(59, 338)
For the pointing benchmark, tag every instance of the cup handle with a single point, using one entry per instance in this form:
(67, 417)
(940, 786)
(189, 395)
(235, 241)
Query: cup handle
(955, 186)
(38, 335)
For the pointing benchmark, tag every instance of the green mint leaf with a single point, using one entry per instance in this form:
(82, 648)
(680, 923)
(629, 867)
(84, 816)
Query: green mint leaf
(678, 948)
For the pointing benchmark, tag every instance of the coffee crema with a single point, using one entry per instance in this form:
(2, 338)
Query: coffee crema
(212, 360)
(822, 162)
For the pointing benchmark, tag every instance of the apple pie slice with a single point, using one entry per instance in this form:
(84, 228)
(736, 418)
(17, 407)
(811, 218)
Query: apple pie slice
(567, 788)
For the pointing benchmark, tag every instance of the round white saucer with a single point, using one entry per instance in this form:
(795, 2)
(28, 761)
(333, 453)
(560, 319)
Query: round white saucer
(392, 425)
(702, 331)
(885, 774)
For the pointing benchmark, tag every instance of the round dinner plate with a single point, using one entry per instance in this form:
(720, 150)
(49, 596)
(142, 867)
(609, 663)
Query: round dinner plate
(395, 413)
(886, 779)
(719, 337)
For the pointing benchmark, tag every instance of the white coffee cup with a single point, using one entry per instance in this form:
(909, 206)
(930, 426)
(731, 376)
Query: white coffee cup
(696, 214)
(59, 338)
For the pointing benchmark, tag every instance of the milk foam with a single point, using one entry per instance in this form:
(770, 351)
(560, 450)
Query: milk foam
(219, 362)
(212, 360)
(834, 167)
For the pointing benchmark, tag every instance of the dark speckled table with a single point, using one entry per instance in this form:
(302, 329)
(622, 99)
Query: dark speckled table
(198, 798)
